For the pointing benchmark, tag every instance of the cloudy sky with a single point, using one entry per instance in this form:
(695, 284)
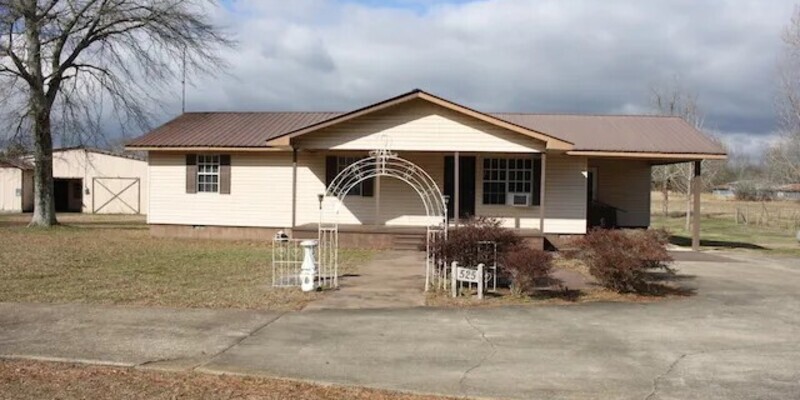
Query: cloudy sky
(564, 56)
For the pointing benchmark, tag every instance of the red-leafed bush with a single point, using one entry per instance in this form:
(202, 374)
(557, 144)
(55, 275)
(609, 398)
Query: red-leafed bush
(622, 260)
(463, 244)
(524, 267)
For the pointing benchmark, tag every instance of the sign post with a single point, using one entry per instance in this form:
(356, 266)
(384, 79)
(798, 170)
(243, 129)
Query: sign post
(460, 274)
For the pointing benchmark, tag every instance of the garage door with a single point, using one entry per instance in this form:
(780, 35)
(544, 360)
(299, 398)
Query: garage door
(116, 195)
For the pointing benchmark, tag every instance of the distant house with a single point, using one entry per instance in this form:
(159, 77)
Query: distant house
(85, 180)
(726, 191)
(251, 174)
(788, 192)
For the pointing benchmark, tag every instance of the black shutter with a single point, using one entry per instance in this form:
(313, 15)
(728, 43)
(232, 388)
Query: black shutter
(225, 174)
(537, 182)
(368, 188)
(191, 173)
(330, 170)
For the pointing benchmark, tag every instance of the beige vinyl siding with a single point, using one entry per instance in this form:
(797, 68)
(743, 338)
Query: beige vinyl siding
(10, 185)
(261, 194)
(625, 184)
(399, 203)
(565, 194)
(420, 126)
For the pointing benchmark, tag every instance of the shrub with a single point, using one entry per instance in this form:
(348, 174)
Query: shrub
(463, 243)
(621, 260)
(524, 267)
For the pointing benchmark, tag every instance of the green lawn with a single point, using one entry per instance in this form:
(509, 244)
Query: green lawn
(723, 232)
(113, 260)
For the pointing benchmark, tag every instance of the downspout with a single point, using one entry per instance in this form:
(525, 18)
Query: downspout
(294, 187)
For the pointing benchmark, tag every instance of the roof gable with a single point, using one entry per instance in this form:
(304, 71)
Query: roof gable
(418, 125)
(551, 141)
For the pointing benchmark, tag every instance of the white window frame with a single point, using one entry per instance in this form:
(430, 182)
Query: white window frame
(509, 175)
(208, 166)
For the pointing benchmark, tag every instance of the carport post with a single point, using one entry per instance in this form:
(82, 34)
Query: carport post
(456, 187)
(697, 185)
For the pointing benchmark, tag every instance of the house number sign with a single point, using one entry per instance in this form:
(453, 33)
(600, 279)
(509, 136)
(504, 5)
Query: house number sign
(470, 275)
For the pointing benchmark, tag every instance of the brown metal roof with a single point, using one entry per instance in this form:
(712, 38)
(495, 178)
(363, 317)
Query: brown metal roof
(228, 129)
(601, 133)
(621, 133)
(20, 164)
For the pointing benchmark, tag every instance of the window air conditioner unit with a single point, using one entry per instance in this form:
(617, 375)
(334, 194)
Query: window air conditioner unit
(519, 199)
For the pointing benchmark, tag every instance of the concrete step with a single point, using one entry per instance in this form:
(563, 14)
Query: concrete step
(558, 243)
(407, 241)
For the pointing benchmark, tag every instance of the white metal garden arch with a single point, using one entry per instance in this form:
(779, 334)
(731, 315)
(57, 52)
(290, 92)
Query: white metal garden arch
(381, 163)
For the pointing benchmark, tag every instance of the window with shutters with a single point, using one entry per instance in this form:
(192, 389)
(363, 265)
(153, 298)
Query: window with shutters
(208, 173)
(504, 176)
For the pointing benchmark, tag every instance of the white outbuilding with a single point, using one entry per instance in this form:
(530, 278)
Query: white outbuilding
(85, 180)
(16, 186)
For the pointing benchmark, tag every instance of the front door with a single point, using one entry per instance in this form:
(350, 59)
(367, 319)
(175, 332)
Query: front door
(466, 193)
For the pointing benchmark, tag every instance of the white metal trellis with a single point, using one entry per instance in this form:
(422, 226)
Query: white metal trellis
(287, 259)
(382, 163)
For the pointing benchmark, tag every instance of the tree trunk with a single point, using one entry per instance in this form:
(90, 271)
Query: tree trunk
(665, 197)
(44, 207)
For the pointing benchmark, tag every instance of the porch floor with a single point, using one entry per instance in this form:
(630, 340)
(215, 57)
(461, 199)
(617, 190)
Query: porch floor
(383, 237)
(397, 230)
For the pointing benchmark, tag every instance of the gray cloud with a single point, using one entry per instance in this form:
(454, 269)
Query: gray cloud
(504, 55)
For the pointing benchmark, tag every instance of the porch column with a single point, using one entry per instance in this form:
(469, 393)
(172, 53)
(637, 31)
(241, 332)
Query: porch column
(541, 192)
(456, 188)
(377, 200)
(697, 184)
(294, 187)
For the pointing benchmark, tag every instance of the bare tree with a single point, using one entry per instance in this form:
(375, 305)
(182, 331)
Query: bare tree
(61, 60)
(675, 100)
(783, 158)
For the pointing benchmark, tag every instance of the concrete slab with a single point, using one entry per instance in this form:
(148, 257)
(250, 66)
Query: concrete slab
(736, 339)
(131, 336)
(393, 279)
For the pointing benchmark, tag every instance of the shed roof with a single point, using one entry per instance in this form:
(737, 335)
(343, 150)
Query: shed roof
(588, 133)
(10, 163)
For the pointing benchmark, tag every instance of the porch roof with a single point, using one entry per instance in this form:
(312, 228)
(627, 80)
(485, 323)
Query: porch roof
(592, 135)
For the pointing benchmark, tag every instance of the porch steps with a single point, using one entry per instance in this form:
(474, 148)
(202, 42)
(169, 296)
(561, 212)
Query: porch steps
(407, 241)
(558, 243)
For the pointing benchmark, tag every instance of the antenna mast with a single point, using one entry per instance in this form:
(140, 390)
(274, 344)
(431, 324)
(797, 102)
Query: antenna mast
(183, 83)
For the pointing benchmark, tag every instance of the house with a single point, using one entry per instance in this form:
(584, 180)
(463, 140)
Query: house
(788, 192)
(757, 190)
(85, 180)
(240, 174)
(725, 191)
(16, 186)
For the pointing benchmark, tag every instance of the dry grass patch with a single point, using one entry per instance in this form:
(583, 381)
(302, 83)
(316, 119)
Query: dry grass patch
(670, 287)
(113, 260)
(40, 380)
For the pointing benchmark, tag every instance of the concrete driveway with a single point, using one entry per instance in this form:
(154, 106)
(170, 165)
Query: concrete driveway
(739, 338)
